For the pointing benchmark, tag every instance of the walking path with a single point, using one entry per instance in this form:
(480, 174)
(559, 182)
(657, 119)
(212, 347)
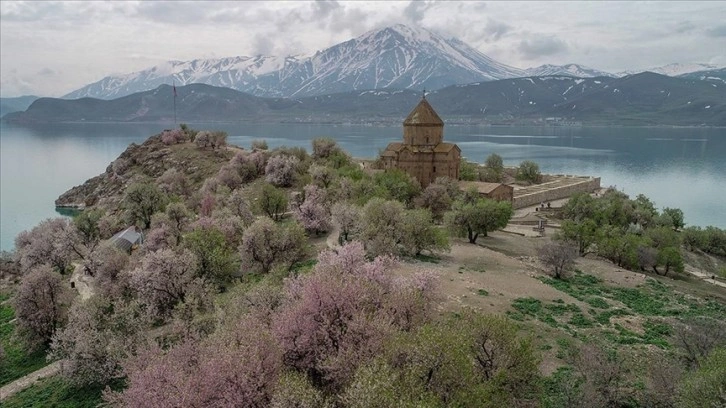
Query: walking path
(22, 383)
(85, 291)
(706, 277)
(81, 281)
(332, 239)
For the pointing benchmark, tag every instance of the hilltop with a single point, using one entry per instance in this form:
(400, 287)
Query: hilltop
(147, 161)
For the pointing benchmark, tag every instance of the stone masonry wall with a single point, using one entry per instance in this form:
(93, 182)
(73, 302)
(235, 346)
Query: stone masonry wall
(556, 193)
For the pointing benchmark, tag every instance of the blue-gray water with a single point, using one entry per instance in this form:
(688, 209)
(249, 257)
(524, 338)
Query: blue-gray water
(681, 168)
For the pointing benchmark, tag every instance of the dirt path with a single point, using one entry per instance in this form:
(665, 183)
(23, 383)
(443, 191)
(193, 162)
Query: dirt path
(332, 239)
(82, 282)
(22, 383)
(705, 276)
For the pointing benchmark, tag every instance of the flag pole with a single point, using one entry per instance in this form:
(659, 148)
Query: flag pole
(173, 87)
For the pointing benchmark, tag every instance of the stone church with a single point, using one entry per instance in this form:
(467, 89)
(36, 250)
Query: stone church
(423, 153)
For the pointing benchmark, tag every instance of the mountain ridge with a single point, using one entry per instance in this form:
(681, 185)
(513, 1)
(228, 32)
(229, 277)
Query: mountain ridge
(396, 56)
(646, 99)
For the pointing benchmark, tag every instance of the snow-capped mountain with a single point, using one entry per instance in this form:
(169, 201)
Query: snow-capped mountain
(674, 69)
(398, 56)
(574, 70)
(711, 75)
(233, 72)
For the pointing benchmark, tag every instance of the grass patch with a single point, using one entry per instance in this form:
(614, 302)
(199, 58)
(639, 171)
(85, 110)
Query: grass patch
(56, 392)
(545, 313)
(564, 348)
(580, 321)
(604, 317)
(657, 333)
(653, 298)
(426, 258)
(643, 303)
(579, 286)
(18, 362)
(304, 266)
(482, 292)
(559, 309)
(529, 305)
(597, 302)
(554, 394)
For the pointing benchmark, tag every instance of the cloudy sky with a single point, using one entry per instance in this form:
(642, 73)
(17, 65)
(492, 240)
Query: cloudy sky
(52, 48)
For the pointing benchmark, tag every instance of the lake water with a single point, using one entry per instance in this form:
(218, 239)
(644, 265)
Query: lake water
(683, 168)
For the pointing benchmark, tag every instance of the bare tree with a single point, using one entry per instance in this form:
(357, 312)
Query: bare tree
(604, 375)
(697, 337)
(661, 384)
(558, 257)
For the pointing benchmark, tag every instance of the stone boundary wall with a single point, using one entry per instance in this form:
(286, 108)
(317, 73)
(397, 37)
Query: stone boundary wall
(556, 193)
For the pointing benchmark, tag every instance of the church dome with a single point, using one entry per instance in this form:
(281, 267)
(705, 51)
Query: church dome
(423, 115)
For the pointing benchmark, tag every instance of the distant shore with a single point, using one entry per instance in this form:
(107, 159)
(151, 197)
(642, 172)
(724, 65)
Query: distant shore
(381, 123)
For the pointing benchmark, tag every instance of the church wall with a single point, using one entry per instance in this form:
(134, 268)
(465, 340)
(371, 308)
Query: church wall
(423, 135)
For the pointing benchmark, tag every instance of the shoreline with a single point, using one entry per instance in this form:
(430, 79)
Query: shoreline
(393, 121)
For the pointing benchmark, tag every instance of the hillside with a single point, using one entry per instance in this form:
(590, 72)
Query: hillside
(18, 104)
(650, 98)
(331, 281)
(194, 102)
(147, 161)
(641, 99)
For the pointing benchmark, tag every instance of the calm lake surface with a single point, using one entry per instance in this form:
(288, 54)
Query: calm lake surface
(683, 168)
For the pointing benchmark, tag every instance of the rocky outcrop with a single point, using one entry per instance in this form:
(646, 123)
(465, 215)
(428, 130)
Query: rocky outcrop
(144, 162)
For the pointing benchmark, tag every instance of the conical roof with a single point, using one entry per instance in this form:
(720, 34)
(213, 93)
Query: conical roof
(423, 115)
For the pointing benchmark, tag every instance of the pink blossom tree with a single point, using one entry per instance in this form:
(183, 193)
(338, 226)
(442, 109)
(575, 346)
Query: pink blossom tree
(281, 170)
(338, 316)
(163, 279)
(174, 182)
(54, 242)
(322, 176)
(169, 137)
(238, 369)
(266, 244)
(207, 205)
(158, 238)
(229, 176)
(239, 206)
(106, 263)
(346, 217)
(313, 213)
(248, 165)
(210, 140)
(41, 305)
(436, 198)
(108, 225)
(98, 336)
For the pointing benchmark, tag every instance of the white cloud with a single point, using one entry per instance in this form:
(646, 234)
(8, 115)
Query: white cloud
(81, 42)
(537, 47)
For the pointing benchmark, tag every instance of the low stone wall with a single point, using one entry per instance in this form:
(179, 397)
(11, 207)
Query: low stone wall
(556, 193)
